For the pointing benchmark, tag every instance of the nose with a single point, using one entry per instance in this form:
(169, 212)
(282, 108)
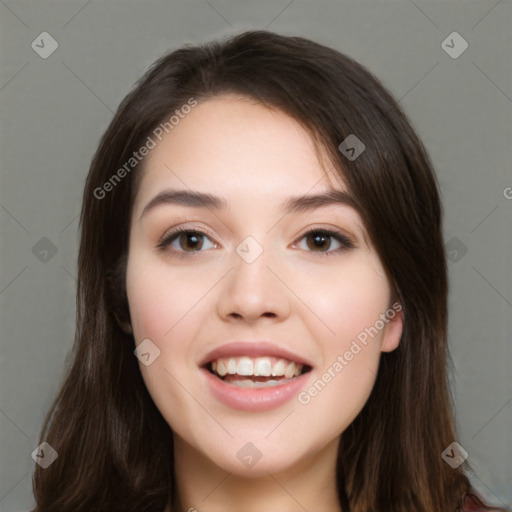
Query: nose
(252, 292)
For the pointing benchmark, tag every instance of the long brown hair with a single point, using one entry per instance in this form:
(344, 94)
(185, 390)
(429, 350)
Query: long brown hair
(115, 450)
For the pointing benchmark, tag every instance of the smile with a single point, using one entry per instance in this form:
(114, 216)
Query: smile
(254, 376)
(256, 372)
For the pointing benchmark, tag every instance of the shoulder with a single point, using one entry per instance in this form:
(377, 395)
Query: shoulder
(471, 502)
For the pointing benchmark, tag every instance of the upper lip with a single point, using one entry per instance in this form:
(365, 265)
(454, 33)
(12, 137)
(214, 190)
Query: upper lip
(253, 349)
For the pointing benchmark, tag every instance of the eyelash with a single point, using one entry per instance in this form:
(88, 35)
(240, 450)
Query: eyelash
(171, 236)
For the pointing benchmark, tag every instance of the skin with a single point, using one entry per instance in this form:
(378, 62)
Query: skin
(294, 294)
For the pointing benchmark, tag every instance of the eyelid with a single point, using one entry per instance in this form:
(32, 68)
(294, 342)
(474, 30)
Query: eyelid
(333, 231)
(341, 238)
(185, 229)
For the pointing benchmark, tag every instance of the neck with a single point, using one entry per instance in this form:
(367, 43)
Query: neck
(309, 484)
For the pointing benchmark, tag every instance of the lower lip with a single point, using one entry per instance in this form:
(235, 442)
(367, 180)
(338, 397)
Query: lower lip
(253, 399)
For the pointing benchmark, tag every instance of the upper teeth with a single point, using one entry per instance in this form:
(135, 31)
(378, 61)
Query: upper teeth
(258, 367)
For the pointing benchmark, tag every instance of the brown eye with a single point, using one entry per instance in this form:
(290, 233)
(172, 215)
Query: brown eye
(186, 240)
(318, 241)
(326, 242)
(191, 241)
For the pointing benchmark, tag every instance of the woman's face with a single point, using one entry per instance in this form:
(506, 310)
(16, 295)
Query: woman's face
(259, 277)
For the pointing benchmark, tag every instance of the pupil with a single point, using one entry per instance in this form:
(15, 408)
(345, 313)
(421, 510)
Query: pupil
(191, 241)
(319, 241)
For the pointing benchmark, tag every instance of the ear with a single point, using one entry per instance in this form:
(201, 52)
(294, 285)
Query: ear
(392, 332)
(116, 280)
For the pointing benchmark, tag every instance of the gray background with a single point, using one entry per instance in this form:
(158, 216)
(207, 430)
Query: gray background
(54, 111)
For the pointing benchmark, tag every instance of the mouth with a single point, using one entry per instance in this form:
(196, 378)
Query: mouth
(254, 376)
(256, 372)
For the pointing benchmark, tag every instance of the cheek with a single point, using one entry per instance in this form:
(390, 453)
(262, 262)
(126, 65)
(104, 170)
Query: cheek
(350, 303)
(335, 398)
(347, 299)
(159, 297)
(170, 307)
(165, 309)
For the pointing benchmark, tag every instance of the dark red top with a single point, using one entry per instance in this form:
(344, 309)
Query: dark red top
(470, 502)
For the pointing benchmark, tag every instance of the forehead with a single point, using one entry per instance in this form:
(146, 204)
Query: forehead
(232, 140)
(252, 157)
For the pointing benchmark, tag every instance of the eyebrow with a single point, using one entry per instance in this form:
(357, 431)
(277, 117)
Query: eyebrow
(298, 204)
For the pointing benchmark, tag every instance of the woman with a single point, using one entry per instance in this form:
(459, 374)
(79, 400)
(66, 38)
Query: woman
(261, 319)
